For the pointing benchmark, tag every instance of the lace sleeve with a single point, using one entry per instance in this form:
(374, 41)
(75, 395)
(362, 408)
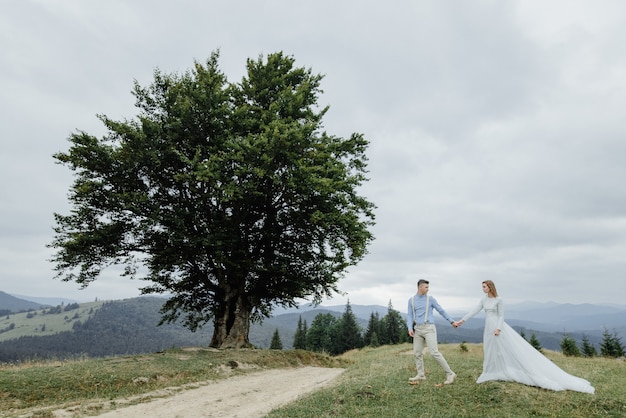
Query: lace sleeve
(500, 313)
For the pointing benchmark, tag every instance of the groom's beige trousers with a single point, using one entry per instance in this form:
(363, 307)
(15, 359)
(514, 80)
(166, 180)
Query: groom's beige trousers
(427, 334)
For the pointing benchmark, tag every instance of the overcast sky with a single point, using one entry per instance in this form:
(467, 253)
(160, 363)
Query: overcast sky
(497, 130)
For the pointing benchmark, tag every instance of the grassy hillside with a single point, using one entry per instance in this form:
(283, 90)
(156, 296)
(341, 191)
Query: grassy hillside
(42, 322)
(112, 328)
(374, 384)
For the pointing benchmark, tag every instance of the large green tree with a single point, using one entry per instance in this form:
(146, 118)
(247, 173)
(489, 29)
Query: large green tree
(227, 196)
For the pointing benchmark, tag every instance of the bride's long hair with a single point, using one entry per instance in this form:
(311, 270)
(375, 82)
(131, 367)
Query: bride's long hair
(492, 288)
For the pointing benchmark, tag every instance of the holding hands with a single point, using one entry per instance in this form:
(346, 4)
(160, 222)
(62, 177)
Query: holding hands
(457, 324)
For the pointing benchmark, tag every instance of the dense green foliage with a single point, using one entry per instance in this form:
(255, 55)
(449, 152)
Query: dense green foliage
(391, 329)
(321, 332)
(229, 194)
(332, 335)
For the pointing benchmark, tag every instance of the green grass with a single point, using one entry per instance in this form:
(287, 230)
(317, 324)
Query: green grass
(373, 385)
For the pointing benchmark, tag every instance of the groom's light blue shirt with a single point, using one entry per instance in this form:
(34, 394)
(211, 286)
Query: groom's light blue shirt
(417, 310)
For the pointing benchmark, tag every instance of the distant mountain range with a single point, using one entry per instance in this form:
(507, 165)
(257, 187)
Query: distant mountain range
(46, 301)
(40, 326)
(566, 317)
(15, 304)
(548, 316)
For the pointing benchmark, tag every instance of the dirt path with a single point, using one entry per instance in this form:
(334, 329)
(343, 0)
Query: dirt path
(250, 395)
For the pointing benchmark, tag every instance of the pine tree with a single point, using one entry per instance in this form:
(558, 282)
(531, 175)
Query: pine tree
(534, 341)
(299, 339)
(606, 346)
(373, 329)
(611, 345)
(569, 347)
(348, 332)
(618, 346)
(393, 326)
(276, 343)
(374, 342)
(588, 349)
(304, 331)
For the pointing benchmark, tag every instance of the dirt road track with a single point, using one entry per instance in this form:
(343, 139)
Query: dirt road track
(251, 395)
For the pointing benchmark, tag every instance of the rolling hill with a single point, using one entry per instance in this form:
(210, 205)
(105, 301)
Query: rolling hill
(10, 303)
(130, 326)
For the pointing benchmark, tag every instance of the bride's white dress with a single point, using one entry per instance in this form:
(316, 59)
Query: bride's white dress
(510, 357)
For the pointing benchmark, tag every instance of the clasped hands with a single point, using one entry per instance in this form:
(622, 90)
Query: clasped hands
(457, 324)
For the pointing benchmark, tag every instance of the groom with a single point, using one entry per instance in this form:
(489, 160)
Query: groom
(421, 326)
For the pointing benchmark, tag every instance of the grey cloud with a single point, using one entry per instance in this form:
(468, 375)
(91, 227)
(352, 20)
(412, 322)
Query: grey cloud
(496, 131)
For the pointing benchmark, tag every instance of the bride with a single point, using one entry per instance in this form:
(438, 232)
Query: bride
(509, 357)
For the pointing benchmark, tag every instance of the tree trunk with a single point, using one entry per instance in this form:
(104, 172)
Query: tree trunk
(232, 324)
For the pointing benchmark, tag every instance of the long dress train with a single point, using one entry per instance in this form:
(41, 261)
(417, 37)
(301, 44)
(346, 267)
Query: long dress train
(510, 357)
